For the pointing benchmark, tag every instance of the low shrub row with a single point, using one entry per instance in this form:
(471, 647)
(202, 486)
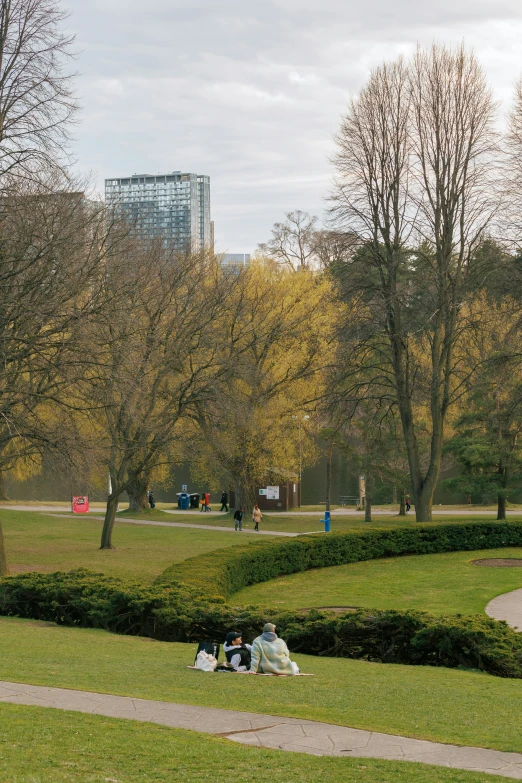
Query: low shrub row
(223, 572)
(178, 613)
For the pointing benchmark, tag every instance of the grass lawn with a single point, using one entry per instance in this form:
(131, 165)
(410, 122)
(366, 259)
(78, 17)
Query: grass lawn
(444, 705)
(39, 745)
(441, 583)
(39, 542)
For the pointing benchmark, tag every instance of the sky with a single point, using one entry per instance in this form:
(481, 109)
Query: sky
(251, 92)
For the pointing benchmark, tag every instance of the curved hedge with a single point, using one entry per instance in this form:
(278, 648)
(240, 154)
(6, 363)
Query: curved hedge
(224, 572)
(186, 603)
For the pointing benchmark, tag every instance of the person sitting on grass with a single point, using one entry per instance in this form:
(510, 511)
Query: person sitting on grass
(237, 653)
(270, 654)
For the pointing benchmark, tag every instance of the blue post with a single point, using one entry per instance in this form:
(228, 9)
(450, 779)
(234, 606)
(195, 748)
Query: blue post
(326, 521)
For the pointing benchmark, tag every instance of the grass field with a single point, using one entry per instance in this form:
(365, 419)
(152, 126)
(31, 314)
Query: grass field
(441, 583)
(444, 705)
(54, 746)
(39, 542)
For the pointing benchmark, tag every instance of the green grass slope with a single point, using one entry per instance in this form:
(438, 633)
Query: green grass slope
(444, 705)
(440, 583)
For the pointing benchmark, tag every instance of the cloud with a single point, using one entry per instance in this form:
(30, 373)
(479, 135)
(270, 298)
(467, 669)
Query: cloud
(251, 93)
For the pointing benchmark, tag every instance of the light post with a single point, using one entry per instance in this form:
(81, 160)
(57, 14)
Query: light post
(305, 418)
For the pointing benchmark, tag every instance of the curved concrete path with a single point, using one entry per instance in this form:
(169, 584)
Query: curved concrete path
(270, 731)
(157, 523)
(507, 607)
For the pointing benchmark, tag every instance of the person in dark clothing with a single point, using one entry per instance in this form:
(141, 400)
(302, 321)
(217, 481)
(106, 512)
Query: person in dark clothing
(408, 503)
(151, 499)
(238, 518)
(224, 501)
(237, 653)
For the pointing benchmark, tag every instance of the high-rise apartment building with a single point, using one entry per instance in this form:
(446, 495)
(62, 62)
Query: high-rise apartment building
(173, 206)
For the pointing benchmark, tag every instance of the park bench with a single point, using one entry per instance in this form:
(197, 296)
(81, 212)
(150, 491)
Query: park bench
(349, 500)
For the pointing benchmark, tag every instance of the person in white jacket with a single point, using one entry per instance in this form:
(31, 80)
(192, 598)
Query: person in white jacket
(237, 653)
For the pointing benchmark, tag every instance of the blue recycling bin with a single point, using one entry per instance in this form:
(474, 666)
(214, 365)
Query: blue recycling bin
(184, 501)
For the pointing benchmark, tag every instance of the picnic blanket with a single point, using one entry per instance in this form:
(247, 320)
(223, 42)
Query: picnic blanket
(257, 674)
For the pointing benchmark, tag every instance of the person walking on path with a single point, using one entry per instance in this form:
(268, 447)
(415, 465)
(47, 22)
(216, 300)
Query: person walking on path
(408, 503)
(207, 501)
(202, 502)
(152, 504)
(224, 501)
(256, 516)
(270, 655)
(238, 518)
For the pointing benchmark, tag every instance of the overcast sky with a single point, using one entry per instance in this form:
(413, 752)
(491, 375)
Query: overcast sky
(251, 92)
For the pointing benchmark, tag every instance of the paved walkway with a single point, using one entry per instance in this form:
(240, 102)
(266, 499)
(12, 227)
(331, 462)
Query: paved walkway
(222, 529)
(338, 512)
(507, 607)
(269, 731)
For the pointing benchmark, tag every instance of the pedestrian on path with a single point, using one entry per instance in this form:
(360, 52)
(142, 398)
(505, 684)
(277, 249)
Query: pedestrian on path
(408, 503)
(202, 502)
(152, 504)
(256, 517)
(238, 519)
(207, 501)
(224, 501)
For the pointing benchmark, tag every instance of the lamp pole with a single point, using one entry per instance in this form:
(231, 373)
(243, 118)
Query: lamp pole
(304, 418)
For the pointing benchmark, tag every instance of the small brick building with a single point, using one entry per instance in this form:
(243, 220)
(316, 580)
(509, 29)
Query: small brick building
(281, 496)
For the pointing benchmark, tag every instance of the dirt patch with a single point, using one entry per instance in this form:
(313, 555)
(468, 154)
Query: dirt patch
(333, 608)
(500, 562)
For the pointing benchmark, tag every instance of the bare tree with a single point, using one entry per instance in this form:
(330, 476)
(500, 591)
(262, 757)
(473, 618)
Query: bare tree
(36, 99)
(292, 242)
(414, 162)
(52, 249)
(153, 356)
(335, 248)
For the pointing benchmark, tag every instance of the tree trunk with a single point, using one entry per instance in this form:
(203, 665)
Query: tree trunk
(108, 523)
(3, 486)
(137, 492)
(423, 506)
(368, 507)
(244, 495)
(329, 478)
(402, 503)
(4, 568)
(501, 507)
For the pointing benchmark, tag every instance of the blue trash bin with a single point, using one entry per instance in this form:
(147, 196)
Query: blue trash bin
(184, 501)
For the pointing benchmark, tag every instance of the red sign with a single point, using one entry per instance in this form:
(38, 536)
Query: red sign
(80, 504)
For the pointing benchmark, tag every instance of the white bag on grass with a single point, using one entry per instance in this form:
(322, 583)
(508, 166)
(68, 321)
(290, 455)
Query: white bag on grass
(205, 662)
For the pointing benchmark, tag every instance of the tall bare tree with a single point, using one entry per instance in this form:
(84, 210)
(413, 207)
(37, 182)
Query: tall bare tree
(36, 98)
(293, 242)
(415, 155)
(36, 109)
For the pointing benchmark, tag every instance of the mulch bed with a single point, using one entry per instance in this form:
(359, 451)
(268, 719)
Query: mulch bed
(500, 562)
